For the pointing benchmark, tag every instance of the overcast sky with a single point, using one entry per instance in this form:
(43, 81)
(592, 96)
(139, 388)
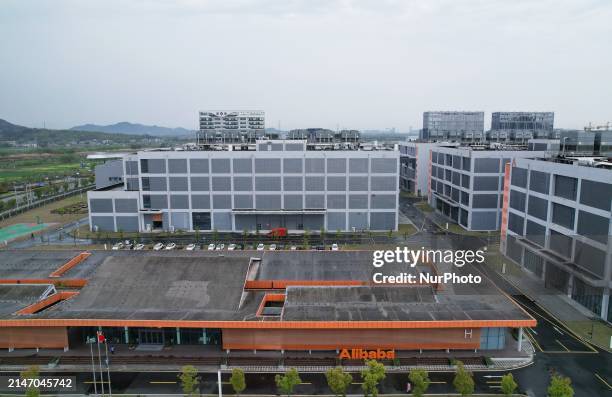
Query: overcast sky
(348, 63)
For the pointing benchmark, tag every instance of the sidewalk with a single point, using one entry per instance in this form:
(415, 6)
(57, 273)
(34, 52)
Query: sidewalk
(558, 304)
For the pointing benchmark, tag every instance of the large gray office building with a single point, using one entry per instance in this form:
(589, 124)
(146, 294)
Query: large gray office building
(558, 225)
(275, 183)
(452, 126)
(520, 126)
(466, 184)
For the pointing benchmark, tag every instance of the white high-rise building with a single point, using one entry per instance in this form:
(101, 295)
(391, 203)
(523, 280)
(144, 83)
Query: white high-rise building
(231, 126)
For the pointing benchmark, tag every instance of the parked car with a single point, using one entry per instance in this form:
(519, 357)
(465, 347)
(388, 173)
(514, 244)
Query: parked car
(272, 247)
(170, 246)
(239, 246)
(128, 245)
(334, 247)
(220, 247)
(320, 248)
(117, 246)
(158, 247)
(231, 247)
(211, 247)
(261, 247)
(139, 247)
(293, 248)
(190, 247)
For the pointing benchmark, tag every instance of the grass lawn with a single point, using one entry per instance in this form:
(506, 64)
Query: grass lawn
(405, 228)
(455, 228)
(45, 215)
(601, 332)
(423, 206)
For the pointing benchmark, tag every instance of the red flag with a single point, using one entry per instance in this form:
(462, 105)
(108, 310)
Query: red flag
(101, 338)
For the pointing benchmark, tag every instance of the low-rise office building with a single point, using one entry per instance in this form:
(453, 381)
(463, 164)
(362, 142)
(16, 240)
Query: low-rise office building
(557, 225)
(521, 126)
(452, 126)
(414, 165)
(466, 183)
(274, 183)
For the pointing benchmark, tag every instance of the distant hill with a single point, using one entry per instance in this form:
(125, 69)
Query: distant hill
(135, 129)
(8, 129)
(44, 137)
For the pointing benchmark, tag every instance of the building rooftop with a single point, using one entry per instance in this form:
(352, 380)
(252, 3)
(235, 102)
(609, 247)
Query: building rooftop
(16, 297)
(207, 287)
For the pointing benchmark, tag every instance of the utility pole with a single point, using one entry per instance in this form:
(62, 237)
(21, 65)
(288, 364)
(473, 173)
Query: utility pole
(90, 342)
(110, 393)
(100, 362)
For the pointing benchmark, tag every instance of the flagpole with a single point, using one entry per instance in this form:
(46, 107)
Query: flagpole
(93, 365)
(100, 362)
(110, 393)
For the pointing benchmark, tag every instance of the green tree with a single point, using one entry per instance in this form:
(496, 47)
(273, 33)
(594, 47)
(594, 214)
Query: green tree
(31, 373)
(287, 382)
(237, 380)
(215, 235)
(11, 203)
(371, 376)
(338, 381)
(508, 385)
(306, 238)
(197, 234)
(322, 233)
(189, 380)
(560, 386)
(245, 233)
(419, 378)
(463, 382)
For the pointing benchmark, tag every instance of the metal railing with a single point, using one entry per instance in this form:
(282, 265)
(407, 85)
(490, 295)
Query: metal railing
(23, 208)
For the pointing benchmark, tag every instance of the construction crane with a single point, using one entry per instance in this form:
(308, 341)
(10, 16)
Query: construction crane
(592, 127)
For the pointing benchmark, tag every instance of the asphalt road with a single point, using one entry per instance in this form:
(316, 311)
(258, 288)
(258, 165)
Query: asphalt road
(558, 350)
(312, 383)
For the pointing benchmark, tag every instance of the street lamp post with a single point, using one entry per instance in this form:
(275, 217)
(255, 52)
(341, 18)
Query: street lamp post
(90, 342)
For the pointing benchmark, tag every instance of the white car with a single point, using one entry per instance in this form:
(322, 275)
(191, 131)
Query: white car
(190, 247)
(117, 246)
(139, 247)
(231, 247)
(334, 247)
(211, 247)
(293, 248)
(261, 247)
(220, 247)
(158, 247)
(170, 246)
(272, 247)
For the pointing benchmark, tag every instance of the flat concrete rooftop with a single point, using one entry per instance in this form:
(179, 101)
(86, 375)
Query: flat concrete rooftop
(16, 297)
(206, 286)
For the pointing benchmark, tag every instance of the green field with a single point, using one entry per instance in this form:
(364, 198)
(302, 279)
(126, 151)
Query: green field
(37, 172)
